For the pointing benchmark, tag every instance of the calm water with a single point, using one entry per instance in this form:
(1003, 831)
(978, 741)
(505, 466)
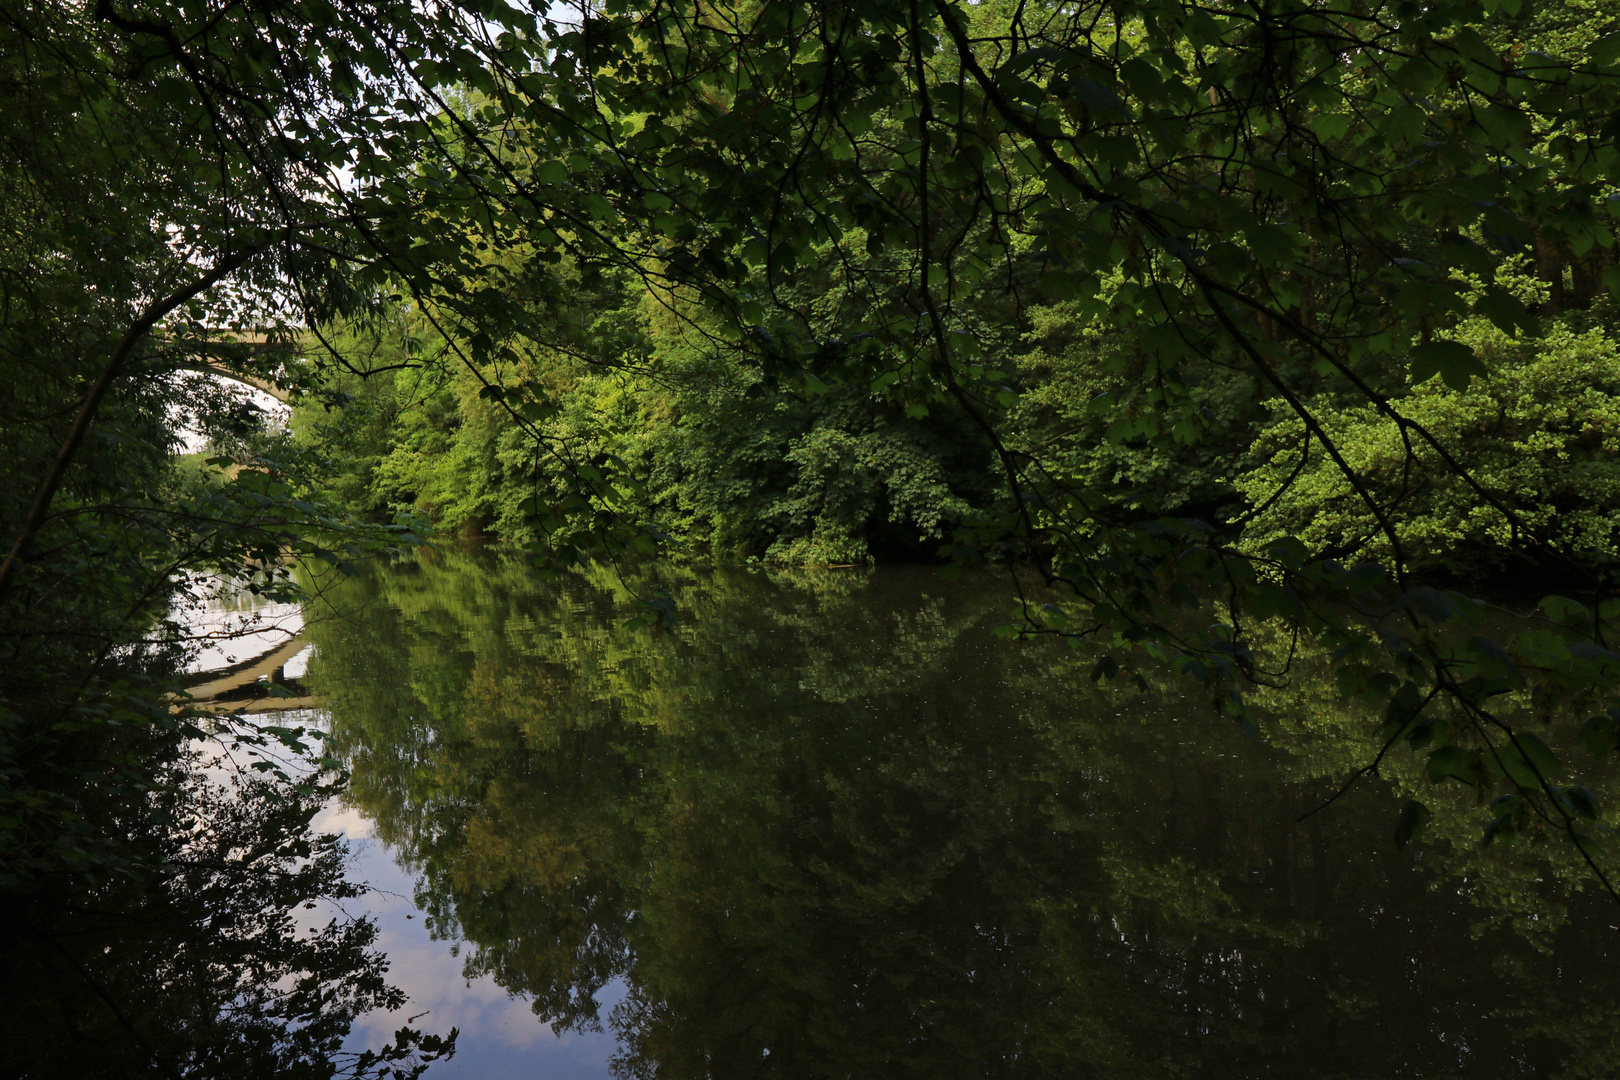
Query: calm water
(833, 827)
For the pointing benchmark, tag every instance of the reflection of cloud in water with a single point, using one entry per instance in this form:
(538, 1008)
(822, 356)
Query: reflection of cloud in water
(298, 666)
(500, 1037)
(343, 820)
(229, 633)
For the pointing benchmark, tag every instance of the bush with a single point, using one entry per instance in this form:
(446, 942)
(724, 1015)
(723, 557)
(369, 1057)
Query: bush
(1540, 433)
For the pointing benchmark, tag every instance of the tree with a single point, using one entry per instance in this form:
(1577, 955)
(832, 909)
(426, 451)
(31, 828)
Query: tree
(168, 198)
(1313, 197)
(867, 196)
(205, 964)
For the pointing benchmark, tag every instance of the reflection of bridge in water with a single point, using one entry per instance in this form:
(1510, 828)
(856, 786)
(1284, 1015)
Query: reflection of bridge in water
(246, 685)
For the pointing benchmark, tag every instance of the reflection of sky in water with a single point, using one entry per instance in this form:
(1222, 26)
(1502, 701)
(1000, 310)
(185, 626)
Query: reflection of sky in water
(236, 628)
(298, 665)
(500, 1038)
(945, 854)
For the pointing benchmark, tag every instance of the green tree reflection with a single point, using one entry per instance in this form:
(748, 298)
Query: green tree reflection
(224, 964)
(833, 827)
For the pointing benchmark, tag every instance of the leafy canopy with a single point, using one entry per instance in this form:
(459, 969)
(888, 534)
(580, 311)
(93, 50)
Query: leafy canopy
(1317, 195)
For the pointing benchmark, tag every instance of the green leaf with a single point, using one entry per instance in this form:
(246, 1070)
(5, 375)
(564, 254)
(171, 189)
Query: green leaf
(1416, 75)
(1584, 801)
(1600, 736)
(1452, 762)
(1330, 126)
(1401, 712)
(1404, 124)
(1453, 361)
(1363, 579)
(1429, 602)
(1274, 244)
(1565, 610)
(1527, 760)
(1538, 754)
(1063, 285)
(1493, 661)
(1611, 281)
(1606, 50)
(1427, 731)
(1414, 816)
(551, 172)
(1508, 810)
(1506, 312)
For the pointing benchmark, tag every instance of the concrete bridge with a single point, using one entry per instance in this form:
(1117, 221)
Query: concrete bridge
(264, 386)
(245, 685)
(222, 342)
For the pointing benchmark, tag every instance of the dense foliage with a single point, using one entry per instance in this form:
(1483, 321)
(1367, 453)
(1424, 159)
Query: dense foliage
(150, 206)
(1179, 284)
(719, 458)
(725, 464)
(1280, 303)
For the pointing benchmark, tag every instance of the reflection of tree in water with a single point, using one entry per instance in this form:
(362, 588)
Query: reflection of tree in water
(834, 828)
(209, 965)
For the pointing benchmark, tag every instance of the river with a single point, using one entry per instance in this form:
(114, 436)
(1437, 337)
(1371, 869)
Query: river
(833, 826)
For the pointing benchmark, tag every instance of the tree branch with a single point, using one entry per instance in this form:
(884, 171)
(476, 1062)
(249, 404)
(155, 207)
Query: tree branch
(40, 507)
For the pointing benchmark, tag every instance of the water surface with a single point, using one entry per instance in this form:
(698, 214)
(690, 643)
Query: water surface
(833, 826)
